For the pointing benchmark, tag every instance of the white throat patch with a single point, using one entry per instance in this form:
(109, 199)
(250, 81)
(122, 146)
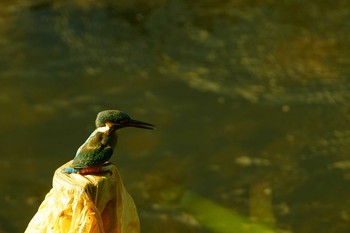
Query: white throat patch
(103, 129)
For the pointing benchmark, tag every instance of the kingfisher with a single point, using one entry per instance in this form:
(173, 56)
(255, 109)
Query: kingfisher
(96, 151)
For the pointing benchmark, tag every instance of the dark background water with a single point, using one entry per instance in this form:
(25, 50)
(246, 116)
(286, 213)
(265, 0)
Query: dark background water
(250, 99)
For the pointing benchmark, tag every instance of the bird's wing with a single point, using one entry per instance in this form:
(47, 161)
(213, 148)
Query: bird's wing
(96, 150)
(88, 158)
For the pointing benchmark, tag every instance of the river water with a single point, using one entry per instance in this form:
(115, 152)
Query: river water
(250, 100)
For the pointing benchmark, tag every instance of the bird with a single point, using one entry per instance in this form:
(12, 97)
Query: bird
(96, 151)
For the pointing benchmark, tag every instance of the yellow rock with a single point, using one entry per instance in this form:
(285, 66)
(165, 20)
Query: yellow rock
(86, 204)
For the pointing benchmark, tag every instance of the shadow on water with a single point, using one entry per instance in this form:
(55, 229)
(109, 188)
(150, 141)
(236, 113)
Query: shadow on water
(250, 99)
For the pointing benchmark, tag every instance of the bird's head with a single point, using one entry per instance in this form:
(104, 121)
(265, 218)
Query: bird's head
(118, 119)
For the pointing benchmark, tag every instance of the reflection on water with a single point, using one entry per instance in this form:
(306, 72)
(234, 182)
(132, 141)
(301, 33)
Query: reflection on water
(250, 99)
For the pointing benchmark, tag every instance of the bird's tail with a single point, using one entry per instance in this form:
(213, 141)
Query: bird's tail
(69, 170)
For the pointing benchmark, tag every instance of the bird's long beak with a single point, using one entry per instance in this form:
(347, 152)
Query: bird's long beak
(138, 124)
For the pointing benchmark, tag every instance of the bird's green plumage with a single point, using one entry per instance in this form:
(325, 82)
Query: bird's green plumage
(97, 149)
(112, 116)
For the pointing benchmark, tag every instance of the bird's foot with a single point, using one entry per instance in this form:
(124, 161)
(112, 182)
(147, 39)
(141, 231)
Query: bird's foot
(96, 173)
(95, 170)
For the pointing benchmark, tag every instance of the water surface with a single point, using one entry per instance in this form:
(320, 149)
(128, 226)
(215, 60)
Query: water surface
(250, 99)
